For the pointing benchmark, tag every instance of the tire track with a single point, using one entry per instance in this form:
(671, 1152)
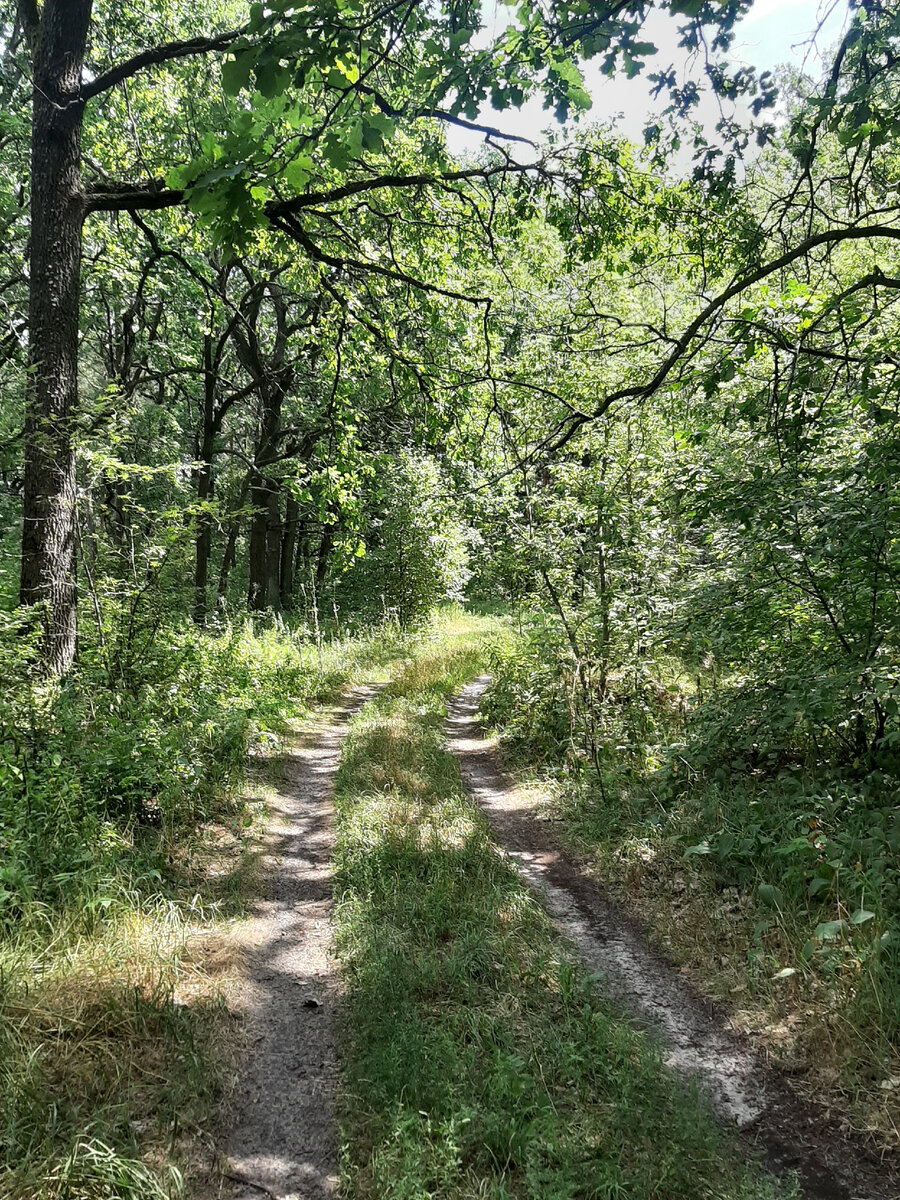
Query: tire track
(283, 1142)
(784, 1131)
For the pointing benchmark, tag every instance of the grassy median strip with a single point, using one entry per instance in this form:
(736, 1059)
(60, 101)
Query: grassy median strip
(479, 1061)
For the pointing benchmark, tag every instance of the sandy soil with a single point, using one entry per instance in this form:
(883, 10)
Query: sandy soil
(282, 1142)
(783, 1130)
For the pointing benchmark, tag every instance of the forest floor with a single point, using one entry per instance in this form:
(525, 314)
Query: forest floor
(487, 1039)
(398, 984)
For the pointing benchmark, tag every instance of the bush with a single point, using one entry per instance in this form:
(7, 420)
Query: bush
(99, 776)
(416, 546)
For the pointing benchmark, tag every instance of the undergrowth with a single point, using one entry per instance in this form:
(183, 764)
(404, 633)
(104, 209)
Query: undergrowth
(123, 823)
(479, 1062)
(763, 865)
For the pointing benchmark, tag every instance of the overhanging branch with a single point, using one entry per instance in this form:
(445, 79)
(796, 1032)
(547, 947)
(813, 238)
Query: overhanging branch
(129, 197)
(170, 52)
(296, 232)
(280, 208)
(568, 428)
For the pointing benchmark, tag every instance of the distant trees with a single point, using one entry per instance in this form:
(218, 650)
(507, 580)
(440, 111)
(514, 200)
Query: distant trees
(416, 550)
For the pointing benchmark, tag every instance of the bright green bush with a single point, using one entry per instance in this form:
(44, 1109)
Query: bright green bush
(415, 545)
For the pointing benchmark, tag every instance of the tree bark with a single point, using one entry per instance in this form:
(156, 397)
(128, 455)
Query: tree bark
(57, 213)
(324, 551)
(265, 545)
(205, 449)
(288, 550)
(203, 539)
(274, 377)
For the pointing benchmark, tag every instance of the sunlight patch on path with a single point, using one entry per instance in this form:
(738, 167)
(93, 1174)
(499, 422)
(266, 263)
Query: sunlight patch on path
(283, 1142)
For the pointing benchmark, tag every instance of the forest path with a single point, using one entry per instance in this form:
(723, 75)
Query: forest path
(283, 1142)
(784, 1131)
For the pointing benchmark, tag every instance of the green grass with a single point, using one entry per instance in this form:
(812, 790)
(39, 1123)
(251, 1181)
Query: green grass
(479, 1062)
(116, 1045)
(771, 876)
(112, 1056)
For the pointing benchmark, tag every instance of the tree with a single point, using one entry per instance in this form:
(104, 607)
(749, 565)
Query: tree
(57, 34)
(358, 72)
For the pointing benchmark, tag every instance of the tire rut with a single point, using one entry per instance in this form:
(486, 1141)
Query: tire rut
(787, 1133)
(282, 1142)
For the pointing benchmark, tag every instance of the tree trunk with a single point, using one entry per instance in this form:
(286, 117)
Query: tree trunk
(229, 555)
(288, 550)
(205, 449)
(325, 546)
(57, 213)
(274, 378)
(203, 538)
(228, 560)
(265, 545)
(274, 537)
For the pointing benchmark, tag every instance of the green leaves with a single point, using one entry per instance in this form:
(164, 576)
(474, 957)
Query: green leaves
(297, 172)
(236, 73)
(827, 931)
(861, 916)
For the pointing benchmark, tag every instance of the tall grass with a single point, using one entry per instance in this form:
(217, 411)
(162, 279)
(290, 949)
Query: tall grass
(123, 820)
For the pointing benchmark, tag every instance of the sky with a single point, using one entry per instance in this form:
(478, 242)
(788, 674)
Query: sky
(774, 32)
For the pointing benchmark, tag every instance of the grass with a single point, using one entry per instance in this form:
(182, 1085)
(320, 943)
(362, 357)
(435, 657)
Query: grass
(479, 1061)
(776, 889)
(117, 1048)
(820, 999)
(107, 1074)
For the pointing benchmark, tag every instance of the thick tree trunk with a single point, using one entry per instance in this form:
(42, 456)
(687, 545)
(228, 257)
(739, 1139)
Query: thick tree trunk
(57, 213)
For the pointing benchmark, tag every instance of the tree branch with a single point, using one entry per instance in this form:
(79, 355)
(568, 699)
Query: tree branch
(279, 208)
(439, 115)
(132, 197)
(298, 234)
(569, 428)
(129, 197)
(152, 58)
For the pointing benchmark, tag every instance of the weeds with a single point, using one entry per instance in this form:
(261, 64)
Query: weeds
(125, 850)
(773, 875)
